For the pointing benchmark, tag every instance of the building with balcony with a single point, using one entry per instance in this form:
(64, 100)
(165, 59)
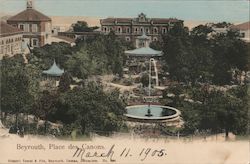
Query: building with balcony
(35, 25)
(131, 28)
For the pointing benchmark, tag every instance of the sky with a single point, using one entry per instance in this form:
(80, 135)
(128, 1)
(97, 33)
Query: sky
(200, 10)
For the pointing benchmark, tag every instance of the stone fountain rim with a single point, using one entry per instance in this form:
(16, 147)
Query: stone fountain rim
(177, 113)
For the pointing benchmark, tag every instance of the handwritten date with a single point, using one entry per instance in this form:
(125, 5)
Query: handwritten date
(111, 154)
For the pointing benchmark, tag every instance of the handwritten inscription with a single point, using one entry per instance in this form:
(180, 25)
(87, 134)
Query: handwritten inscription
(111, 155)
(84, 153)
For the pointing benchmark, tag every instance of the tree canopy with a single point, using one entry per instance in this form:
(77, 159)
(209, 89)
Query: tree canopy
(210, 109)
(19, 85)
(202, 55)
(82, 26)
(89, 108)
(104, 54)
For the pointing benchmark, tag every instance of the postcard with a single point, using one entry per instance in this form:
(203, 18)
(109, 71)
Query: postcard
(125, 82)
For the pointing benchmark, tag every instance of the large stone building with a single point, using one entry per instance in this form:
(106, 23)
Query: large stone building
(130, 28)
(10, 40)
(36, 26)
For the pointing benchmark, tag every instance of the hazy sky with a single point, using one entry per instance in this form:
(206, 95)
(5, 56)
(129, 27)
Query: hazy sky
(208, 10)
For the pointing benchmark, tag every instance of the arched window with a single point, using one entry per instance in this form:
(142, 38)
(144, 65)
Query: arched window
(155, 39)
(164, 30)
(128, 30)
(141, 30)
(155, 30)
(119, 30)
(136, 30)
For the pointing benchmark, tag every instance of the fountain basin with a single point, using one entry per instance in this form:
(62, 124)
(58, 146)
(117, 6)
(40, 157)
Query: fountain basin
(159, 113)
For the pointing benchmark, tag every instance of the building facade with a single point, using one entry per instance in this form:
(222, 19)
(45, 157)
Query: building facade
(244, 29)
(10, 40)
(130, 28)
(36, 26)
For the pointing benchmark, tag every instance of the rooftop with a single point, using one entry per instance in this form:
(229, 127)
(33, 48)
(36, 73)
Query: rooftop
(129, 20)
(141, 19)
(6, 29)
(29, 14)
(242, 26)
(54, 70)
(144, 51)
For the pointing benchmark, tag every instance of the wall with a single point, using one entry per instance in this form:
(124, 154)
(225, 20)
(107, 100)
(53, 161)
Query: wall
(43, 33)
(10, 45)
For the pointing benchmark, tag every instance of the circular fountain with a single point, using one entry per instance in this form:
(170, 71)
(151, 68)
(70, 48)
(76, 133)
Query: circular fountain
(152, 113)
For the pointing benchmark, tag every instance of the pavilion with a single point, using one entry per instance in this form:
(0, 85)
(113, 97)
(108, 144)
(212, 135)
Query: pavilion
(143, 49)
(54, 71)
(53, 75)
(144, 52)
(143, 55)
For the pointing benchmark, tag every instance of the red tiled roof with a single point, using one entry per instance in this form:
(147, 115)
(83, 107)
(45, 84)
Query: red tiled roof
(30, 15)
(6, 29)
(119, 20)
(164, 20)
(128, 20)
(242, 26)
(123, 20)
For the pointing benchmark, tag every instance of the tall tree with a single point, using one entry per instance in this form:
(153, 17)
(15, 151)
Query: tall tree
(203, 56)
(46, 106)
(229, 53)
(89, 108)
(82, 26)
(200, 35)
(18, 85)
(223, 110)
(65, 81)
(115, 53)
(177, 54)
